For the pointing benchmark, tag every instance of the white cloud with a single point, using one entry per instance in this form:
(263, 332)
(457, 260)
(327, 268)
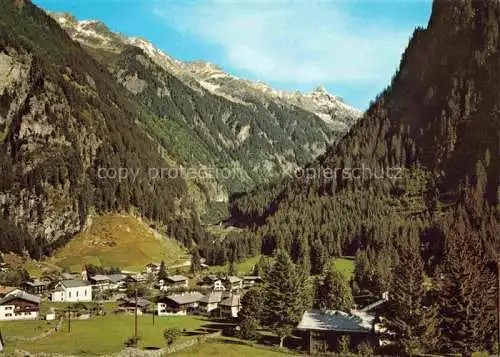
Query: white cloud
(292, 41)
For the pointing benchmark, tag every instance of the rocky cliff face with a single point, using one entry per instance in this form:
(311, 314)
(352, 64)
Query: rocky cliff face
(63, 120)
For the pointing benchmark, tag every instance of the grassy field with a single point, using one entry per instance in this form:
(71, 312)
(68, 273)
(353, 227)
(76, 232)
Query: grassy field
(228, 348)
(244, 268)
(345, 266)
(24, 328)
(103, 335)
(116, 240)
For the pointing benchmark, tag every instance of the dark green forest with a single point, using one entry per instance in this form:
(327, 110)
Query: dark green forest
(437, 123)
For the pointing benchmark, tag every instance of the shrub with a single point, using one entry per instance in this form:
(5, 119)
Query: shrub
(170, 335)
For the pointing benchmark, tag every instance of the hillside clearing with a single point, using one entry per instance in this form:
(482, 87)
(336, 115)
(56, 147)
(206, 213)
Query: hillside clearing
(118, 240)
(345, 265)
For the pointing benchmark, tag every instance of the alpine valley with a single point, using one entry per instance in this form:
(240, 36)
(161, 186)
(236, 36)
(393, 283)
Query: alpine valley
(385, 240)
(77, 97)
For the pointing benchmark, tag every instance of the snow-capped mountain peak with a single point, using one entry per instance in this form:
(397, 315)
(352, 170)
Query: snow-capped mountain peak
(208, 76)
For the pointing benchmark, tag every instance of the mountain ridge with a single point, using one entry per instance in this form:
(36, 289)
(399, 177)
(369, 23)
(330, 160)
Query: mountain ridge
(229, 122)
(205, 73)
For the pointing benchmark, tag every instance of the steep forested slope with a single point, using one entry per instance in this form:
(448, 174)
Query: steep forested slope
(432, 139)
(412, 191)
(62, 118)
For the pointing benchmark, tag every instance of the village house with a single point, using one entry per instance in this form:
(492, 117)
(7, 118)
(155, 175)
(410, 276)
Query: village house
(128, 306)
(179, 304)
(209, 303)
(233, 284)
(322, 330)
(175, 282)
(72, 291)
(117, 281)
(230, 307)
(152, 268)
(251, 280)
(213, 282)
(19, 306)
(136, 278)
(100, 282)
(36, 287)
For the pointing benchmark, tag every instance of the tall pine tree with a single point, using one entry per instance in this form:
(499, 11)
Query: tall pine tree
(467, 298)
(333, 291)
(407, 320)
(286, 296)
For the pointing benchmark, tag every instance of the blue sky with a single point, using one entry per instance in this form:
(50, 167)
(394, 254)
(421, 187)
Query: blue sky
(351, 47)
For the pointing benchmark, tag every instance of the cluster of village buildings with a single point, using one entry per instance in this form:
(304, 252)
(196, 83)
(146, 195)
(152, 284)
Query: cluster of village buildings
(214, 295)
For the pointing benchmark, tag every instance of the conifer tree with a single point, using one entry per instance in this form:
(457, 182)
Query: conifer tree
(162, 272)
(195, 261)
(466, 300)
(333, 291)
(232, 270)
(251, 312)
(285, 295)
(405, 318)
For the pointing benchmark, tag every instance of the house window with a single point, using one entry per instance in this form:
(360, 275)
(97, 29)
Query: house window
(8, 307)
(77, 293)
(69, 294)
(8, 315)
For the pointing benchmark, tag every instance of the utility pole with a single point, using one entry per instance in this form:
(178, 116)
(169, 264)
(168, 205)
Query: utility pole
(135, 315)
(69, 320)
(153, 314)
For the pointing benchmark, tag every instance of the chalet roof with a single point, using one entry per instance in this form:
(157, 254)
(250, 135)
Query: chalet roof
(233, 300)
(74, 283)
(212, 278)
(137, 277)
(69, 276)
(141, 302)
(176, 278)
(212, 298)
(185, 298)
(36, 283)
(252, 277)
(99, 278)
(332, 320)
(233, 279)
(157, 265)
(20, 295)
(115, 278)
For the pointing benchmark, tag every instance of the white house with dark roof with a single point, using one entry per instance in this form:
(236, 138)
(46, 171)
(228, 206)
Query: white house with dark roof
(175, 282)
(179, 304)
(117, 281)
(100, 282)
(19, 305)
(230, 307)
(209, 303)
(233, 284)
(251, 280)
(213, 282)
(72, 291)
